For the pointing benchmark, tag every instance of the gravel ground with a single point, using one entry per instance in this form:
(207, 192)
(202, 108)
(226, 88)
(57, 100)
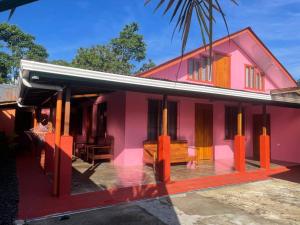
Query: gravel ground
(9, 196)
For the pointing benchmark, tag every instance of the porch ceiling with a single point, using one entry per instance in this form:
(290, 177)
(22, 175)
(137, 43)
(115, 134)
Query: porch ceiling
(40, 81)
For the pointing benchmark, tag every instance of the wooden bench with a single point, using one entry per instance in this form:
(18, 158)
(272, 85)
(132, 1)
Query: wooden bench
(179, 151)
(102, 150)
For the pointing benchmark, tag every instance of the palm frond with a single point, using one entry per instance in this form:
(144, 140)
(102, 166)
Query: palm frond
(204, 12)
(12, 4)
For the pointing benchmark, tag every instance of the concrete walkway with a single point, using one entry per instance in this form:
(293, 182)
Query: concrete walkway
(273, 201)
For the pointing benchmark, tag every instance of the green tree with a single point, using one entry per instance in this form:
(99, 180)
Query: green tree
(118, 56)
(130, 45)
(146, 66)
(5, 65)
(60, 62)
(16, 45)
(101, 58)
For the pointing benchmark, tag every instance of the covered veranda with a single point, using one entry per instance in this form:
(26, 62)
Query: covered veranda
(59, 88)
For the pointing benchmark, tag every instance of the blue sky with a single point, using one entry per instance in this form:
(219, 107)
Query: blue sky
(63, 26)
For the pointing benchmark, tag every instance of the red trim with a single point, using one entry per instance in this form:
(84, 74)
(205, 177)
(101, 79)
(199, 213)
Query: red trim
(217, 42)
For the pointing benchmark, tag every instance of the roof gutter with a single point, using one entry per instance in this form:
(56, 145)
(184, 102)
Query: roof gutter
(24, 83)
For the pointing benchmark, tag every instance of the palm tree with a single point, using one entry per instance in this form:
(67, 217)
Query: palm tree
(183, 10)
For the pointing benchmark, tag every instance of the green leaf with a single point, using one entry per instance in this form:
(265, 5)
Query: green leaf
(184, 9)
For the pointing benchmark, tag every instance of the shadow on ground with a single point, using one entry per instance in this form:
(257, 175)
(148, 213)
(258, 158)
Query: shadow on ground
(9, 197)
(293, 175)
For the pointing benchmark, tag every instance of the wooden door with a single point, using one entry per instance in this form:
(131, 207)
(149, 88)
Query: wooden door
(221, 70)
(257, 131)
(204, 132)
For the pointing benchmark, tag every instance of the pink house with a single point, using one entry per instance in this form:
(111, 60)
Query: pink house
(240, 109)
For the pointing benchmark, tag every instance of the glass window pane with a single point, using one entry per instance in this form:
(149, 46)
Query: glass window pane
(260, 82)
(247, 77)
(203, 69)
(196, 72)
(208, 68)
(191, 68)
(251, 77)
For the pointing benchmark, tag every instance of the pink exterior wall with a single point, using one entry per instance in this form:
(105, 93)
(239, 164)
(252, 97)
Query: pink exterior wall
(136, 125)
(135, 128)
(284, 145)
(7, 118)
(285, 141)
(127, 123)
(116, 125)
(284, 124)
(273, 78)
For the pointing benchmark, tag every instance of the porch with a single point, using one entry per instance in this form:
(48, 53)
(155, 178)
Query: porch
(36, 199)
(104, 176)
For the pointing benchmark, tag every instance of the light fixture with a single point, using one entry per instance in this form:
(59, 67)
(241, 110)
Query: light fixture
(35, 77)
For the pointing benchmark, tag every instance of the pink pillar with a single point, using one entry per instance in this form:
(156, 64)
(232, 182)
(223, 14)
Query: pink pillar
(49, 146)
(65, 166)
(164, 162)
(239, 153)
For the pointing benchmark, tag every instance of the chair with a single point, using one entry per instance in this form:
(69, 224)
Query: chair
(80, 148)
(102, 150)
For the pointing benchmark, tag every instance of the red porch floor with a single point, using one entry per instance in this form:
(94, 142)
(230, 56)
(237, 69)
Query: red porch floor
(36, 199)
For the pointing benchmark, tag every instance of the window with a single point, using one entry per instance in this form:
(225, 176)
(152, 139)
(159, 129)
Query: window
(200, 69)
(254, 78)
(231, 113)
(206, 69)
(155, 119)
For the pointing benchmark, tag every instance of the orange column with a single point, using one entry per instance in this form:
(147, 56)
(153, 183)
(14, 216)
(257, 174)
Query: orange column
(65, 166)
(35, 122)
(239, 144)
(67, 112)
(164, 144)
(58, 118)
(264, 143)
(49, 147)
(66, 147)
